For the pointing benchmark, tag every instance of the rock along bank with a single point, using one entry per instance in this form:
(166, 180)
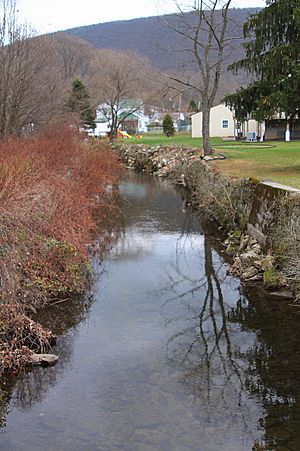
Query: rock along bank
(260, 220)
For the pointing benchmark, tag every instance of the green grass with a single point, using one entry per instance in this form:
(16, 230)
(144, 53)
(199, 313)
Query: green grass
(179, 139)
(278, 161)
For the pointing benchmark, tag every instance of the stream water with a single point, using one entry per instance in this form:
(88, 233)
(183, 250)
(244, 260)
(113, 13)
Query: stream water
(171, 354)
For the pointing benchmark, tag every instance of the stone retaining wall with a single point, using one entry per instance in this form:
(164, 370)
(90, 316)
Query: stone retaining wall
(251, 247)
(265, 209)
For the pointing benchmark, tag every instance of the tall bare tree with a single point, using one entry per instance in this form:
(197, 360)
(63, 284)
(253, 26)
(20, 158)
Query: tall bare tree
(203, 27)
(28, 78)
(122, 84)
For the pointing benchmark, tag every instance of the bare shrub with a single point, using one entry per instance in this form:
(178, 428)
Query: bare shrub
(19, 335)
(53, 201)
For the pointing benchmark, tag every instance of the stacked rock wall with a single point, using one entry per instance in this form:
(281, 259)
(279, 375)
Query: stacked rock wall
(252, 247)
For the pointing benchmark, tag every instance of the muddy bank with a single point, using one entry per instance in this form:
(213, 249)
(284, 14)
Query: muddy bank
(259, 220)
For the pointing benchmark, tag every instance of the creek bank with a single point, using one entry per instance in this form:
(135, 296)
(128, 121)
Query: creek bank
(261, 220)
(54, 203)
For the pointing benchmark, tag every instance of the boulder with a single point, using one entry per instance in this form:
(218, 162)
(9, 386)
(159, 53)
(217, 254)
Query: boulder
(249, 273)
(256, 248)
(247, 258)
(43, 359)
(265, 262)
(282, 295)
(244, 243)
(235, 268)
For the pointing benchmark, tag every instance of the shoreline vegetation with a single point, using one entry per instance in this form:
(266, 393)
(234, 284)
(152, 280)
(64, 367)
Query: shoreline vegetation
(270, 257)
(56, 197)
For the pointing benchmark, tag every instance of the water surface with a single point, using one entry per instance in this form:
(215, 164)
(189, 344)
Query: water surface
(170, 355)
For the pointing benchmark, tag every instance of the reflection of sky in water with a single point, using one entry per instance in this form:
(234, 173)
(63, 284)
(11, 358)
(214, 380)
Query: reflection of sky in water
(133, 190)
(167, 358)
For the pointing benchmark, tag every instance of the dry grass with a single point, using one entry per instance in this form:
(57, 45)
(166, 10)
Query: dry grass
(286, 239)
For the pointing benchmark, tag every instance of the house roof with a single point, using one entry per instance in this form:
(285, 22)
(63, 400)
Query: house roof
(130, 104)
(128, 117)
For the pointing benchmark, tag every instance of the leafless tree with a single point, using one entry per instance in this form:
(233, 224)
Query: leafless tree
(203, 27)
(120, 77)
(28, 78)
(75, 56)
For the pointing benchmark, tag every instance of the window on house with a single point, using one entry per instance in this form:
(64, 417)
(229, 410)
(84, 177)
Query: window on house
(225, 123)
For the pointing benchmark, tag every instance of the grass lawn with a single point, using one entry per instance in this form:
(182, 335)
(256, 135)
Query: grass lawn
(278, 161)
(179, 139)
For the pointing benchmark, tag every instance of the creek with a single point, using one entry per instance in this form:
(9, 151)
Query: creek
(171, 353)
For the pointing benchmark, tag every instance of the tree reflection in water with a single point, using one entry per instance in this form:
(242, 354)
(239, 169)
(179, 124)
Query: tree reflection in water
(203, 344)
(229, 350)
(273, 367)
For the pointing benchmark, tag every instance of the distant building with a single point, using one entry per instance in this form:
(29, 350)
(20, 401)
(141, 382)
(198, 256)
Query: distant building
(224, 125)
(181, 121)
(134, 122)
(130, 113)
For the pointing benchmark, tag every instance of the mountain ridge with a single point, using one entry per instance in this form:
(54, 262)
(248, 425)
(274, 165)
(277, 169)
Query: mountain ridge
(147, 35)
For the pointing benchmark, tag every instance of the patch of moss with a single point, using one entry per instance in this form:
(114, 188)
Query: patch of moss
(3, 251)
(232, 248)
(271, 279)
(235, 234)
(254, 181)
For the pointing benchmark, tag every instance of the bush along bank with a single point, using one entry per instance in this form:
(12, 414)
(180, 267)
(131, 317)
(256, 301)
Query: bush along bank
(261, 221)
(54, 200)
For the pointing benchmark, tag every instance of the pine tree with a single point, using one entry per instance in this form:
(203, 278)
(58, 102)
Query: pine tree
(272, 54)
(79, 102)
(168, 126)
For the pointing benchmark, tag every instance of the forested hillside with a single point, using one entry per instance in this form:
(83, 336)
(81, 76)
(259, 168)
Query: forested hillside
(151, 37)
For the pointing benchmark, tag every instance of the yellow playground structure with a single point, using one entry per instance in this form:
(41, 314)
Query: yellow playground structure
(122, 134)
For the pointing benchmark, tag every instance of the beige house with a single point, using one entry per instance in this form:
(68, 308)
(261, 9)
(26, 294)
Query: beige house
(223, 124)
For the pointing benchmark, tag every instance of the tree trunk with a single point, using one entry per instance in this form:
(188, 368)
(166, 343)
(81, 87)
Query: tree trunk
(207, 149)
(113, 135)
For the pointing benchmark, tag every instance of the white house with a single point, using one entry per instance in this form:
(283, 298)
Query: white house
(130, 112)
(223, 124)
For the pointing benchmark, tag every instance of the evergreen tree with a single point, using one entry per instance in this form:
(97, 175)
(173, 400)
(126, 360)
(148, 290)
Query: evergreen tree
(79, 102)
(168, 126)
(272, 54)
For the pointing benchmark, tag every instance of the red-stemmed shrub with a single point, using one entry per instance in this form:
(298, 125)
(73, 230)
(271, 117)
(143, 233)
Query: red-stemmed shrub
(55, 197)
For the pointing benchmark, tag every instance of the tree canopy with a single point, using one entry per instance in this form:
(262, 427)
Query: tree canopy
(272, 54)
(193, 107)
(122, 83)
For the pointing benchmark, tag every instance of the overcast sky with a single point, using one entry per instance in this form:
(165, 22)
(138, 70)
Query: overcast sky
(52, 15)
